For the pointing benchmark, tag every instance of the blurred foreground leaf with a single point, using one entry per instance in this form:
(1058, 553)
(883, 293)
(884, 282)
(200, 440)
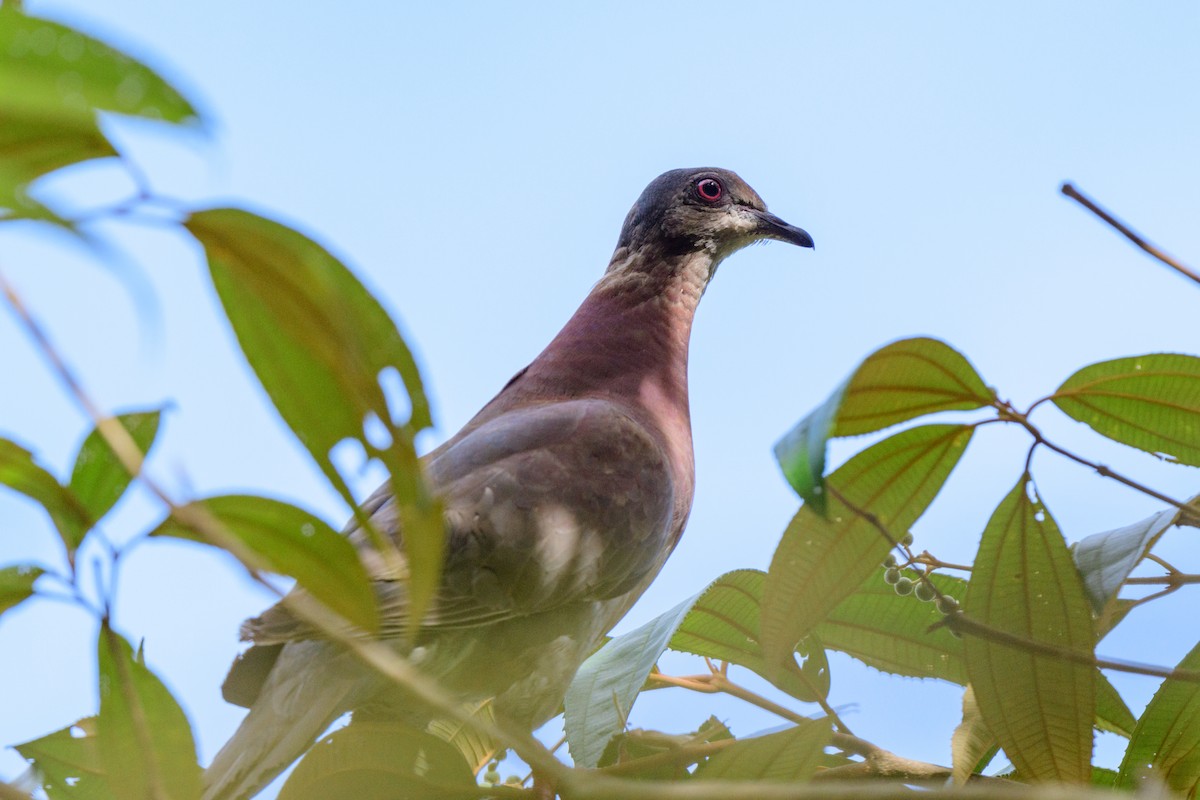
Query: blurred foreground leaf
(143, 737)
(321, 344)
(380, 761)
(295, 543)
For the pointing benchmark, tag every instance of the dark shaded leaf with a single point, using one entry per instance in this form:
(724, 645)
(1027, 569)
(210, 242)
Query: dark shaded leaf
(143, 737)
(790, 755)
(16, 584)
(98, 480)
(295, 543)
(1150, 402)
(18, 471)
(320, 344)
(895, 634)
(1040, 707)
(1165, 746)
(905, 380)
(821, 560)
(724, 625)
(51, 73)
(380, 761)
(601, 695)
(67, 763)
(630, 747)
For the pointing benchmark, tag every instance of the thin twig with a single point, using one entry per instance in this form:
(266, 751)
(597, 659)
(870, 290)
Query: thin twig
(1070, 191)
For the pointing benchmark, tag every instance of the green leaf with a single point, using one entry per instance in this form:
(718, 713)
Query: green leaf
(821, 560)
(896, 634)
(1165, 746)
(906, 379)
(1040, 707)
(18, 471)
(143, 737)
(724, 625)
(1150, 402)
(54, 74)
(67, 763)
(292, 542)
(320, 343)
(98, 480)
(31, 148)
(791, 755)
(1112, 714)
(380, 761)
(971, 741)
(16, 584)
(601, 695)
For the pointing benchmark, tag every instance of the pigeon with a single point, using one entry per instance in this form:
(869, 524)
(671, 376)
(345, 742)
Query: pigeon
(563, 498)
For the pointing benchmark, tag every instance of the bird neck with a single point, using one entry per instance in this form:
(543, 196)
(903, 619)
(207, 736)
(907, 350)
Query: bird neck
(629, 337)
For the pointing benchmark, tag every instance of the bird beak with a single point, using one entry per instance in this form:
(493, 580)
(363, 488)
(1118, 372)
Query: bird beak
(772, 227)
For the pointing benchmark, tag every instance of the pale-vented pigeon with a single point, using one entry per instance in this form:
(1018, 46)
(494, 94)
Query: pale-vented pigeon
(563, 496)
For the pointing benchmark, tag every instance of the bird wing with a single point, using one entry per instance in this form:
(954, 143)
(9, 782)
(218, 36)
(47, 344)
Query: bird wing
(545, 505)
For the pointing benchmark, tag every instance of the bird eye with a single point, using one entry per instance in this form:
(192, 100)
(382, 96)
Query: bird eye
(709, 189)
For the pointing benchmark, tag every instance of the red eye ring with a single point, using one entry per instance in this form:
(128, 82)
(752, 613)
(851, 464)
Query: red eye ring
(709, 189)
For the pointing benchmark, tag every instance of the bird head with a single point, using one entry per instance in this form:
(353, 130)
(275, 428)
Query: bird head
(705, 211)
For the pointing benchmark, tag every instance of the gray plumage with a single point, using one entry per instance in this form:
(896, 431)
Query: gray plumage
(563, 498)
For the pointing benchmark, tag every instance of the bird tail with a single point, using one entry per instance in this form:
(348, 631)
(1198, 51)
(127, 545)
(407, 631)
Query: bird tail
(309, 688)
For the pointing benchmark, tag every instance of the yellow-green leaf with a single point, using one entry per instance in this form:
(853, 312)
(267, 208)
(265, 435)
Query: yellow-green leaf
(31, 148)
(19, 471)
(16, 584)
(144, 740)
(67, 763)
(98, 479)
(724, 625)
(791, 755)
(380, 761)
(321, 344)
(1150, 402)
(1040, 707)
(905, 380)
(820, 560)
(1165, 746)
(292, 542)
(53, 73)
(896, 634)
(971, 740)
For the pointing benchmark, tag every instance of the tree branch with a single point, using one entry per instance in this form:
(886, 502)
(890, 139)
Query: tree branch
(1070, 191)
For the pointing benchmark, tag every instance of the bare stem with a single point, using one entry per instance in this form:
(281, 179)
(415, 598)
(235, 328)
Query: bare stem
(1070, 191)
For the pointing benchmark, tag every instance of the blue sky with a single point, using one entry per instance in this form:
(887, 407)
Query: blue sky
(473, 164)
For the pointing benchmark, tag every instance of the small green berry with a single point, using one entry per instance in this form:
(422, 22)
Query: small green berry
(925, 591)
(491, 777)
(947, 604)
(512, 780)
(903, 587)
(891, 576)
(890, 561)
(907, 540)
